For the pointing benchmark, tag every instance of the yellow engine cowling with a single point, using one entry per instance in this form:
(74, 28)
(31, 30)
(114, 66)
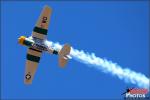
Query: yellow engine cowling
(25, 41)
(21, 40)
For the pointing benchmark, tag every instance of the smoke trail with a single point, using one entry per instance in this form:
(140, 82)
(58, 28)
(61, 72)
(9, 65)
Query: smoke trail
(106, 66)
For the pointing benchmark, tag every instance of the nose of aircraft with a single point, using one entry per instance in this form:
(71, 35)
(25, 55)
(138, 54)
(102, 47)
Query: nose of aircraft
(21, 39)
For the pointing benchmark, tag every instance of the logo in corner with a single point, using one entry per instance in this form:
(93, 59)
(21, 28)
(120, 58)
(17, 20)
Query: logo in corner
(136, 93)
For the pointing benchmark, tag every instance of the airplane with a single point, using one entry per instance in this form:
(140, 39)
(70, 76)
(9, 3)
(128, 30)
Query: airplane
(36, 46)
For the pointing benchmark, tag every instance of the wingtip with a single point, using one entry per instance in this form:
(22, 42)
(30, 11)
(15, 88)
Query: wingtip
(47, 7)
(27, 82)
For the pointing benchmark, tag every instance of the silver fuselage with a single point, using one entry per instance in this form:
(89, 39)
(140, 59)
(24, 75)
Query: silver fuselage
(38, 44)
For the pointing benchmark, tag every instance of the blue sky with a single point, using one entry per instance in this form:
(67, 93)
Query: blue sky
(117, 31)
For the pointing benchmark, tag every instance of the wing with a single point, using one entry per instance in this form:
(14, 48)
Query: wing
(33, 58)
(41, 28)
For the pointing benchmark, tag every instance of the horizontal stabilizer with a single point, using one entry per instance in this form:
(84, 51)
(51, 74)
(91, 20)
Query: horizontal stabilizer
(63, 55)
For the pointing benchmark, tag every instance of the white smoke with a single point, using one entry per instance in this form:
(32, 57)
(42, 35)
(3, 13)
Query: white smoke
(106, 66)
